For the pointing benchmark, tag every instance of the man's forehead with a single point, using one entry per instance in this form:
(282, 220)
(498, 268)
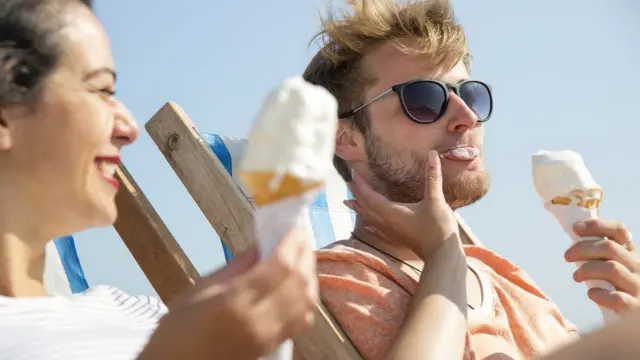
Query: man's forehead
(393, 63)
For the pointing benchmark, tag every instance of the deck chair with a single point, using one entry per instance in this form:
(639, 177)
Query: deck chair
(207, 163)
(63, 273)
(192, 156)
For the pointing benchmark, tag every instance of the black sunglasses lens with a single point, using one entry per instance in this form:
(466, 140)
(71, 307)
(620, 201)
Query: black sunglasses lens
(424, 101)
(477, 96)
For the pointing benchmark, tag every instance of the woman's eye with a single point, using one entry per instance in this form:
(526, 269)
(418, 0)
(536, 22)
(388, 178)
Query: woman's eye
(108, 92)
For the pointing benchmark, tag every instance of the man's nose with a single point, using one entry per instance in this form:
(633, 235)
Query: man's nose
(461, 117)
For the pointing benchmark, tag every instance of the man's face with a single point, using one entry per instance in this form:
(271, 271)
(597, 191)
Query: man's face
(396, 148)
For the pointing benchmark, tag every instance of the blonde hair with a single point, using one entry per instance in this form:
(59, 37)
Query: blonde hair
(347, 38)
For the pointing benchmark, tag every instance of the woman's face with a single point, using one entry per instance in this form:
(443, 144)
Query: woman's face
(63, 150)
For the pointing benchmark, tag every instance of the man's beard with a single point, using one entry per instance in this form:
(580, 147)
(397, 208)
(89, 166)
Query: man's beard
(403, 180)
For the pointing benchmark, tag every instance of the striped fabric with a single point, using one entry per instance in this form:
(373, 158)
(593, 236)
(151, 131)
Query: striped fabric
(101, 323)
(329, 218)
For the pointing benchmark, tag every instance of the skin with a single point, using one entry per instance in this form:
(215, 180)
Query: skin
(392, 160)
(51, 147)
(388, 160)
(49, 177)
(393, 210)
(616, 341)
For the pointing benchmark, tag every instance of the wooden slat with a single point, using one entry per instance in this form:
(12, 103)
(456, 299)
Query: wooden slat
(204, 177)
(231, 215)
(157, 252)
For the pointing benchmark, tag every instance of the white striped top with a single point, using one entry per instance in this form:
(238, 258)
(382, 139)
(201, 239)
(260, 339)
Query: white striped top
(101, 323)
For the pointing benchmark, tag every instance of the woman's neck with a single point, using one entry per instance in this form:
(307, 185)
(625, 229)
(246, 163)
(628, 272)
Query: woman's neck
(21, 266)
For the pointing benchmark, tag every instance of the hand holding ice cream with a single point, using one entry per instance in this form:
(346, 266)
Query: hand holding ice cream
(563, 182)
(570, 193)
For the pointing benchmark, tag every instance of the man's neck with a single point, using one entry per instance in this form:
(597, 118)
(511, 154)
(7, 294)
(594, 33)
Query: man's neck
(397, 251)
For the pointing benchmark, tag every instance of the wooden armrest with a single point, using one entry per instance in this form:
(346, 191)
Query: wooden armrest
(157, 252)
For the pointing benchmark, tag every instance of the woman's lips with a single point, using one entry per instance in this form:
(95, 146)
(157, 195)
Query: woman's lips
(107, 167)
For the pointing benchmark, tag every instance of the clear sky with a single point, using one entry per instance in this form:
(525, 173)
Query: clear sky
(565, 74)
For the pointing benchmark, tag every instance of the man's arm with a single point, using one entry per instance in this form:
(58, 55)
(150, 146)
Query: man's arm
(435, 326)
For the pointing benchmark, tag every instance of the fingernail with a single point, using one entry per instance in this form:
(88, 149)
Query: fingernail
(347, 203)
(575, 276)
(567, 256)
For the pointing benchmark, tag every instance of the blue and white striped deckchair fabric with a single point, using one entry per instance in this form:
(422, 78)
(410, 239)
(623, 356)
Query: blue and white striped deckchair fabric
(329, 219)
(63, 273)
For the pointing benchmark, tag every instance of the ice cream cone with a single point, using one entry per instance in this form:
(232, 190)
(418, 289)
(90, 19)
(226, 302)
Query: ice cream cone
(570, 194)
(268, 188)
(286, 162)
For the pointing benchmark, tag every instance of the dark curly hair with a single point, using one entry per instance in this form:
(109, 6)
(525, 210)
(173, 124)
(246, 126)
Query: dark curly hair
(29, 46)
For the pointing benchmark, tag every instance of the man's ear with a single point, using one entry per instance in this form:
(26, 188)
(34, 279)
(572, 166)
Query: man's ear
(349, 142)
(5, 133)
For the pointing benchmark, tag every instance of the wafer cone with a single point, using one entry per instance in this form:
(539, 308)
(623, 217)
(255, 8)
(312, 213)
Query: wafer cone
(267, 187)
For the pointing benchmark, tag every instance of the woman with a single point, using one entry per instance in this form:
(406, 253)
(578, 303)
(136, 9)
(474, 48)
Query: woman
(61, 132)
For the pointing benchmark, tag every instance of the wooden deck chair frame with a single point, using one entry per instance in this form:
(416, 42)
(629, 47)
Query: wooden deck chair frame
(229, 212)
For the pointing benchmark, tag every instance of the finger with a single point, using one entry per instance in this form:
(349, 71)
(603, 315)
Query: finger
(603, 249)
(612, 229)
(368, 198)
(615, 300)
(433, 179)
(612, 271)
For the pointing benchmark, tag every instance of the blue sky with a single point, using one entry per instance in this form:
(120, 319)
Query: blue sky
(565, 75)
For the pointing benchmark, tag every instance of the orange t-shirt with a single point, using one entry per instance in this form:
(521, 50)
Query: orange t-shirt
(369, 296)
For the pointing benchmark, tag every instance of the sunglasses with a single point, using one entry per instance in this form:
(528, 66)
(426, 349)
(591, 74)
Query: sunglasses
(426, 101)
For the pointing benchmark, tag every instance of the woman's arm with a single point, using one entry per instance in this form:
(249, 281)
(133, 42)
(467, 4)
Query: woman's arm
(435, 326)
(243, 311)
(618, 341)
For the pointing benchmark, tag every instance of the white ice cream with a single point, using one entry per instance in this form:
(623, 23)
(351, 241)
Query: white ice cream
(557, 173)
(294, 133)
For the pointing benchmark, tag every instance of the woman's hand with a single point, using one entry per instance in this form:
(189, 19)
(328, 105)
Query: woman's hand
(243, 311)
(422, 227)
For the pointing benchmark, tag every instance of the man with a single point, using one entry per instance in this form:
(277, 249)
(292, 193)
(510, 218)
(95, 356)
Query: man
(410, 145)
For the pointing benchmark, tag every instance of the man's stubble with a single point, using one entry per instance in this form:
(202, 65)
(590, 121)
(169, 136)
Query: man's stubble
(401, 178)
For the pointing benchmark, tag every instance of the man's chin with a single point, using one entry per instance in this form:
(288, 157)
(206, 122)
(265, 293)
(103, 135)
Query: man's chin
(466, 187)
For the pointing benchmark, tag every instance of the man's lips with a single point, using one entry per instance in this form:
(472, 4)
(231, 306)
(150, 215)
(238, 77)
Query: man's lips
(463, 152)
